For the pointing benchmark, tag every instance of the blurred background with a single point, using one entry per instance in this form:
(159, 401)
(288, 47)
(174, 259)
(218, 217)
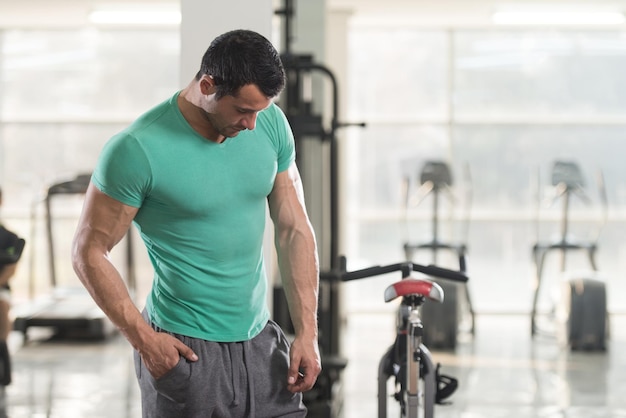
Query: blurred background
(498, 90)
(498, 103)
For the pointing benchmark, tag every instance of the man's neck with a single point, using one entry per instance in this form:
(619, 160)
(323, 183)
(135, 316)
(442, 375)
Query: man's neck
(193, 113)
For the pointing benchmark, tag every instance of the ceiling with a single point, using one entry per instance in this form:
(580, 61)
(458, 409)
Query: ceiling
(463, 12)
(63, 13)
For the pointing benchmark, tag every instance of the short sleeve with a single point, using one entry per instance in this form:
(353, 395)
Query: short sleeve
(286, 143)
(123, 171)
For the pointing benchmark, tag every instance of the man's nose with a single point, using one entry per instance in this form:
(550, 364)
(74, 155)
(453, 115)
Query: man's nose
(249, 122)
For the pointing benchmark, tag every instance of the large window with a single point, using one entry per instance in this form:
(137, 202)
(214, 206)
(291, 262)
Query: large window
(538, 75)
(499, 106)
(89, 73)
(63, 93)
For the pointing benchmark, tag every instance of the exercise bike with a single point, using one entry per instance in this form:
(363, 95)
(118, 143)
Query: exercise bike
(418, 383)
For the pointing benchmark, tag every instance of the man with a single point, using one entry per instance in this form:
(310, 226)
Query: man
(11, 247)
(194, 175)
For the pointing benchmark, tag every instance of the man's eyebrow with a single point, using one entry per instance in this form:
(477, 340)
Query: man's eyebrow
(250, 110)
(246, 109)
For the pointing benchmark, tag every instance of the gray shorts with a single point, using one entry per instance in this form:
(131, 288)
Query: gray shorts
(242, 379)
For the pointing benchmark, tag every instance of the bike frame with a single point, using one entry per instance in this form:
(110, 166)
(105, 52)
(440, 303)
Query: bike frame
(414, 330)
(414, 292)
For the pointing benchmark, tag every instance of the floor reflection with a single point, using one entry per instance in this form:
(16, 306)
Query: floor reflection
(72, 379)
(502, 372)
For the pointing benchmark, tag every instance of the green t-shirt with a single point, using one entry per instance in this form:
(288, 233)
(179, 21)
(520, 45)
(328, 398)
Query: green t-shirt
(202, 212)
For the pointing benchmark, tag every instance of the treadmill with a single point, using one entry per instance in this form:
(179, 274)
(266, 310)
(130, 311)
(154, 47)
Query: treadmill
(68, 309)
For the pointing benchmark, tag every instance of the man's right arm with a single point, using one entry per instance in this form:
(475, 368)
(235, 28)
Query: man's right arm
(103, 223)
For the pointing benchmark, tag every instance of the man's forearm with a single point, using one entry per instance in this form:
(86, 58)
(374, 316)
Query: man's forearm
(107, 288)
(300, 276)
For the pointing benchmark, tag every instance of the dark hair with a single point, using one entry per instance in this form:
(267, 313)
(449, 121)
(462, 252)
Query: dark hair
(240, 57)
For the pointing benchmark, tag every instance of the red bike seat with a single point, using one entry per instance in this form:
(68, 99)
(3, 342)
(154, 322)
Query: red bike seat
(411, 286)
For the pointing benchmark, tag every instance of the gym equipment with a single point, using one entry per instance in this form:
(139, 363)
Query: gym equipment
(445, 318)
(582, 315)
(309, 130)
(69, 309)
(419, 385)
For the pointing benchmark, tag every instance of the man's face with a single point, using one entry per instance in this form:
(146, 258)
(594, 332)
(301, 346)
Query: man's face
(231, 114)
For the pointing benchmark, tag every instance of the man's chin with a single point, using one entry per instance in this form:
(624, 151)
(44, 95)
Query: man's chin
(231, 133)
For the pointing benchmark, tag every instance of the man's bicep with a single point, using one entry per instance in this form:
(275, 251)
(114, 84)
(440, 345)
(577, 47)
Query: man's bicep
(104, 220)
(286, 201)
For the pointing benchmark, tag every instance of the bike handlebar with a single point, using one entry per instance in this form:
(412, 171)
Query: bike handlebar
(405, 268)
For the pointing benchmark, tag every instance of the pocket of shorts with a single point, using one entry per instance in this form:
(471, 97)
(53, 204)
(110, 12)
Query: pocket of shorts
(174, 384)
(278, 331)
(137, 362)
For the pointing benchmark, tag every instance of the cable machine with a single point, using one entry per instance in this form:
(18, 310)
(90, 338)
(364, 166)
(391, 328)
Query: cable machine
(297, 103)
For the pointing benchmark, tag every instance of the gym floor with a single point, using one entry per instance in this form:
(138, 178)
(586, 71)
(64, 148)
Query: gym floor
(502, 372)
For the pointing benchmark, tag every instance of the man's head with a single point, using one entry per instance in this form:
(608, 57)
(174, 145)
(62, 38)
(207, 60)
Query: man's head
(242, 57)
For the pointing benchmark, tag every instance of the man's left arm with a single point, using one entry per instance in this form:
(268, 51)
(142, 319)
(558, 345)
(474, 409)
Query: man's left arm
(299, 268)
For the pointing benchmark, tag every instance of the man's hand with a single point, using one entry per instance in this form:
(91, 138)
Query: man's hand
(164, 353)
(305, 365)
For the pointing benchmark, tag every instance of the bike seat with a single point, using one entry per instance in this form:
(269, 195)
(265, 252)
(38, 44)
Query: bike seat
(411, 286)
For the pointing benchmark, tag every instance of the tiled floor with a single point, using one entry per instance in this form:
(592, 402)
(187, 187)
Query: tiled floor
(502, 372)
(61, 379)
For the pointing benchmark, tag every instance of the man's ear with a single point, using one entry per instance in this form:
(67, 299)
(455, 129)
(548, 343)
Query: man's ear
(207, 85)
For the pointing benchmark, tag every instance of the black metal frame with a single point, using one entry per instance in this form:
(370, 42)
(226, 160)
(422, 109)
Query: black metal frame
(322, 400)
